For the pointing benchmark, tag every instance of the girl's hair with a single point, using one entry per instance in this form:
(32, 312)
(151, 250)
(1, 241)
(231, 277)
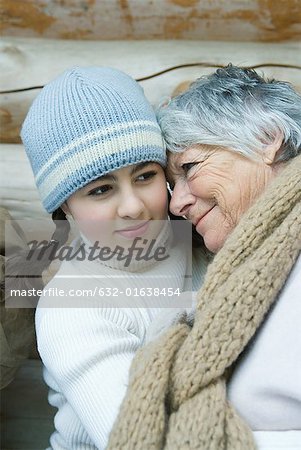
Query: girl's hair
(24, 269)
(234, 108)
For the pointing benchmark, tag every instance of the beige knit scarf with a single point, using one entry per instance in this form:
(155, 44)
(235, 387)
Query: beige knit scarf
(176, 398)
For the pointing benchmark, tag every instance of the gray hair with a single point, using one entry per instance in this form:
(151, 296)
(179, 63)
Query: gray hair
(234, 108)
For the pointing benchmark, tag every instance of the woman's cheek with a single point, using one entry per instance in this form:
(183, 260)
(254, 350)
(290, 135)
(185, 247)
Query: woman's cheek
(226, 207)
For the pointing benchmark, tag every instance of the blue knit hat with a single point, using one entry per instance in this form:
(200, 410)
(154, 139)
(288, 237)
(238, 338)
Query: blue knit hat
(84, 124)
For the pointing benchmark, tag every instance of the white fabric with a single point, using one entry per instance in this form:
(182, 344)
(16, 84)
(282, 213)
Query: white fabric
(278, 440)
(87, 345)
(265, 387)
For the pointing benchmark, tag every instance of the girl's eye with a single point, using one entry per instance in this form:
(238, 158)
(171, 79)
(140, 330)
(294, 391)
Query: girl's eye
(100, 190)
(146, 176)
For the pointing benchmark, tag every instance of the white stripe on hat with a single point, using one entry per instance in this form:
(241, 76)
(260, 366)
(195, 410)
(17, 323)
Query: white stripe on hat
(90, 136)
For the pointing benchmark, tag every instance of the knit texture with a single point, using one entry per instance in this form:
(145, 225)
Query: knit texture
(177, 393)
(84, 124)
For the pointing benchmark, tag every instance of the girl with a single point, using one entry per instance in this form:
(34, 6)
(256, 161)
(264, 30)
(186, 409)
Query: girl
(98, 157)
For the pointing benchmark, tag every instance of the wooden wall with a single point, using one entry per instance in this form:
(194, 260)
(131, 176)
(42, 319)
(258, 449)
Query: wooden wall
(30, 62)
(231, 20)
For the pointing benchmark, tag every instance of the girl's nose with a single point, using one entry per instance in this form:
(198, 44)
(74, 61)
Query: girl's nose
(181, 199)
(131, 205)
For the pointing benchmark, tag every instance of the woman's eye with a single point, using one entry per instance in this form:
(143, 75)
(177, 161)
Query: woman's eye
(187, 166)
(146, 176)
(100, 190)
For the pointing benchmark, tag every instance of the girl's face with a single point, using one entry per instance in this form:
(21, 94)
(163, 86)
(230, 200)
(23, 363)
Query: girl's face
(121, 205)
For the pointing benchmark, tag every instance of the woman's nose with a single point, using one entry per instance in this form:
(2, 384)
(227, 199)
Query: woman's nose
(131, 205)
(181, 199)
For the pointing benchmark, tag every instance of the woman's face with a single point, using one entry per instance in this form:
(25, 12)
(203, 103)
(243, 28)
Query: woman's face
(213, 187)
(121, 205)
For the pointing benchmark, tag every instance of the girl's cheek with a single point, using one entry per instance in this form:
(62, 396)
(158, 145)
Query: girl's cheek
(159, 198)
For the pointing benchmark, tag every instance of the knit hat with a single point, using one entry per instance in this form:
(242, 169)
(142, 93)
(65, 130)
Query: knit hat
(84, 124)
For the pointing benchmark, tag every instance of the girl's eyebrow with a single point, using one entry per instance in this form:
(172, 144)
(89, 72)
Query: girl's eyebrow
(106, 177)
(140, 166)
(111, 177)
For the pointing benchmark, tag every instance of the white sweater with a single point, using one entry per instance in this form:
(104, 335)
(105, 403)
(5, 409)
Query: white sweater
(87, 343)
(265, 387)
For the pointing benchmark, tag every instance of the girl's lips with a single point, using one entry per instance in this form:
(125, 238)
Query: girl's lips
(133, 232)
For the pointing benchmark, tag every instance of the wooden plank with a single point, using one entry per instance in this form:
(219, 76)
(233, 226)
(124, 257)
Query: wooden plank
(33, 62)
(18, 192)
(232, 20)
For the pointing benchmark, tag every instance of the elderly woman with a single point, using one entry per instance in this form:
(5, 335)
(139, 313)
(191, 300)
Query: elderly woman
(232, 381)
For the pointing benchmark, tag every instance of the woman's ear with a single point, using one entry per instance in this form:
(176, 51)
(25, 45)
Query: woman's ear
(270, 151)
